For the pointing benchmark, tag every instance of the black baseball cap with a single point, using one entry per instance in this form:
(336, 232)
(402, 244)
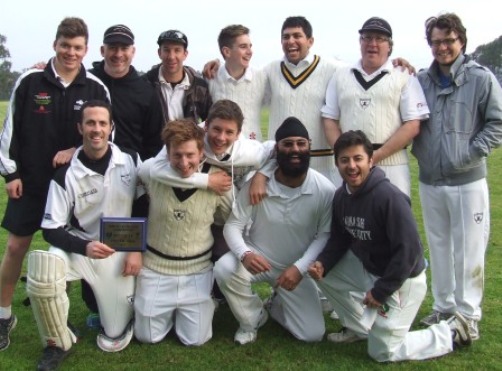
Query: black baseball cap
(174, 36)
(377, 24)
(118, 34)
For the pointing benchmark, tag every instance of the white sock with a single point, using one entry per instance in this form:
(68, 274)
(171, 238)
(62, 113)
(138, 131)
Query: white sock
(5, 312)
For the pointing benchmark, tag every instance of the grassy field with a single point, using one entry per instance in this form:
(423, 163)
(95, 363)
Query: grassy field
(275, 349)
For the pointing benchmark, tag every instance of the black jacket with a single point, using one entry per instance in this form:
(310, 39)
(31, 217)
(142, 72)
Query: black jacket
(376, 223)
(197, 100)
(41, 121)
(137, 113)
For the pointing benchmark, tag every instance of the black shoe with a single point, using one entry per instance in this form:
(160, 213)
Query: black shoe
(6, 326)
(52, 358)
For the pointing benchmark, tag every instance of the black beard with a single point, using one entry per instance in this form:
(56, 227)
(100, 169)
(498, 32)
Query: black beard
(293, 170)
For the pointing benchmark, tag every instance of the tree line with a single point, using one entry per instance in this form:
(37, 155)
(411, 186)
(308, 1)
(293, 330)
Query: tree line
(7, 77)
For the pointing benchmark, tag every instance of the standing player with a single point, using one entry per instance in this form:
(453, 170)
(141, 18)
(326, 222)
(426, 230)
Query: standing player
(465, 125)
(39, 135)
(182, 92)
(174, 286)
(375, 248)
(297, 86)
(136, 108)
(288, 229)
(100, 180)
(384, 101)
(238, 81)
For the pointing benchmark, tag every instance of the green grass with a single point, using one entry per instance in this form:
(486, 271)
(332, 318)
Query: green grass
(275, 349)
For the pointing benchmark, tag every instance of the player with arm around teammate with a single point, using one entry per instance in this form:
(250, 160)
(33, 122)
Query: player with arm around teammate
(375, 248)
(100, 180)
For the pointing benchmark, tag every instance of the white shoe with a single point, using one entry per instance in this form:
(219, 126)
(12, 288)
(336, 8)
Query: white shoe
(243, 336)
(345, 336)
(108, 344)
(473, 329)
(326, 305)
(334, 315)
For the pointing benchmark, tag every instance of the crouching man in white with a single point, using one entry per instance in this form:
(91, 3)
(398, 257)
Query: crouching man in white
(174, 285)
(100, 180)
(375, 248)
(288, 229)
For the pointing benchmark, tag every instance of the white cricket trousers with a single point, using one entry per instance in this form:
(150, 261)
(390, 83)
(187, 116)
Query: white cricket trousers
(114, 293)
(389, 338)
(457, 226)
(184, 301)
(299, 311)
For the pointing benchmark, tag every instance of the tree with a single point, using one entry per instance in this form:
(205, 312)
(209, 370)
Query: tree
(7, 78)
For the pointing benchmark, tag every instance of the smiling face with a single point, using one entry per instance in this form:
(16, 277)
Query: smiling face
(173, 55)
(354, 166)
(118, 58)
(375, 50)
(221, 134)
(240, 53)
(293, 156)
(69, 53)
(295, 44)
(446, 47)
(185, 157)
(95, 129)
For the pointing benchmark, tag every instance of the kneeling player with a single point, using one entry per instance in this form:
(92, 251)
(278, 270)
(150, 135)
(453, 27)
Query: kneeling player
(100, 180)
(174, 285)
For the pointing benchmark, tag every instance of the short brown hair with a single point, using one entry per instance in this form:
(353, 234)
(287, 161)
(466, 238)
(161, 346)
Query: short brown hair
(71, 27)
(228, 35)
(227, 110)
(449, 22)
(179, 131)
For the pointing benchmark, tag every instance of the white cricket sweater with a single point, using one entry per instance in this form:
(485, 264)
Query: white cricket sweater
(248, 92)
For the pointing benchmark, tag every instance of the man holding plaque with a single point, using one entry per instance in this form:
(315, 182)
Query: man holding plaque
(100, 181)
(174, 285)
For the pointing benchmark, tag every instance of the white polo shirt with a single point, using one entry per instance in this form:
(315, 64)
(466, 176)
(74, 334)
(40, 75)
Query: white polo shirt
(86, 196)
(290, 226)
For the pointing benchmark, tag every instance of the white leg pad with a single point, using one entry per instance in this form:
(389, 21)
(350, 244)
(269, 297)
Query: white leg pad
(46, 287)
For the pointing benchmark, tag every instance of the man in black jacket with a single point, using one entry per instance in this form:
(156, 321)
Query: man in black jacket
(40, 134)
(136, 109)
(375, 248)
(182, 92)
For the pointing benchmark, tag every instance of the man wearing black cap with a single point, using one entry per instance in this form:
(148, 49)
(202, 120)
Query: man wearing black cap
(136, 109)
(386, 103)
(288, 229)
(183, 93)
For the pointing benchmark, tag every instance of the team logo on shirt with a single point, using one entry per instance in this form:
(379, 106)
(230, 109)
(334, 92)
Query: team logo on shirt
(47, 216)
(126, 179)
(43, 100)
(478, 217)
(179, 215)
(130, 300)
(78, 105)
(365, 102)
(88, 193)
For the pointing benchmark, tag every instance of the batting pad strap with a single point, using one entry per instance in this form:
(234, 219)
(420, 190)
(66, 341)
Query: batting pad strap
(46, 288)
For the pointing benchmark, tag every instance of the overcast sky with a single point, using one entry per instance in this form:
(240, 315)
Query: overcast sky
(30, 25)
